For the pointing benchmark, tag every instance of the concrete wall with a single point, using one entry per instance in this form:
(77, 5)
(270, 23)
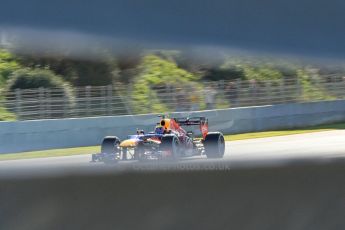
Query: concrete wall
(47, 134)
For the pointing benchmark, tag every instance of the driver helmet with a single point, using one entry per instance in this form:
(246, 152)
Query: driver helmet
(159, 129)
(140, 132)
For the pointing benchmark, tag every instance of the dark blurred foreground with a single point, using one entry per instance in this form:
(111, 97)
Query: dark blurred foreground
(302, 27)
(303, 196)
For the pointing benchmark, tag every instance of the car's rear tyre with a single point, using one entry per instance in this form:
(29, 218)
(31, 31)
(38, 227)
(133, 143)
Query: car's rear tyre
(214, 145)
(170, 143)
(110, 149)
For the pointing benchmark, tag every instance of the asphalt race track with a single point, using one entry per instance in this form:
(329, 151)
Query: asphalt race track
(273, 151)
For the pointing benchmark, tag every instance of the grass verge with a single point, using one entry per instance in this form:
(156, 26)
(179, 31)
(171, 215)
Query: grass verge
(319, 128)
(50, 153)
(5, 115)
(95, 149)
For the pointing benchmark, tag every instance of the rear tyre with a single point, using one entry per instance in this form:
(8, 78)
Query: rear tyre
(170, 143)
(214, 145)
(110, 149)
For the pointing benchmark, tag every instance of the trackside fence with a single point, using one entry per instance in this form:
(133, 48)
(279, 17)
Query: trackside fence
(91, 101)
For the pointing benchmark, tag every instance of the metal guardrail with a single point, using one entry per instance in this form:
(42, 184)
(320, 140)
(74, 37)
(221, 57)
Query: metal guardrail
(110, 100)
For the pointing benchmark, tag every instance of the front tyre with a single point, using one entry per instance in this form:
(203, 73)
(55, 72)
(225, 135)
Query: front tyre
(214, 145)
(110, 150)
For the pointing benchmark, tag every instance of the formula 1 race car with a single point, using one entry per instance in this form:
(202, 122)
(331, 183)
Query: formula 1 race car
(168, 141)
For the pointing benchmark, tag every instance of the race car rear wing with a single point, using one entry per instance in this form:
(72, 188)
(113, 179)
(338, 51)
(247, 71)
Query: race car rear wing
(188, 121)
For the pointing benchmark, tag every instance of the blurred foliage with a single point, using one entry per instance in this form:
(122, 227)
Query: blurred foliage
(158, 71)
(126, 70)
(77, 72)
(8, 64)
(153, 73)
(264, 73)
(251, 70)
(39, 78)
(5, 115)
(147, 73)
(311, 90)
(35, 78)
(231, 73)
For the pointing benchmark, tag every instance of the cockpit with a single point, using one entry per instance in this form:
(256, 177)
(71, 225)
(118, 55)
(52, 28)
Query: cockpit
(159, 129)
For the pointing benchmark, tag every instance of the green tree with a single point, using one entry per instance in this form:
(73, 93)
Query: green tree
(5, 115)
(8, 64)
(230, 73)
(262, 73)
(35, 78)
(155, 72)
(79, 71)
(41, 78)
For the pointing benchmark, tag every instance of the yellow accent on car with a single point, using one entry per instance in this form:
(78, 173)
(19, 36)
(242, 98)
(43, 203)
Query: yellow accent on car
(128, 143)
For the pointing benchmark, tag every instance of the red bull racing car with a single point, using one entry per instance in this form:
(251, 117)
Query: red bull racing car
(169, 140)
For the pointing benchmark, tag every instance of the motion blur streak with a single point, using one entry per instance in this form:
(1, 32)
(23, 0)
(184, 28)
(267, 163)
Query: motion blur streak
(293, 197)
(301, 27)
(264, 152)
